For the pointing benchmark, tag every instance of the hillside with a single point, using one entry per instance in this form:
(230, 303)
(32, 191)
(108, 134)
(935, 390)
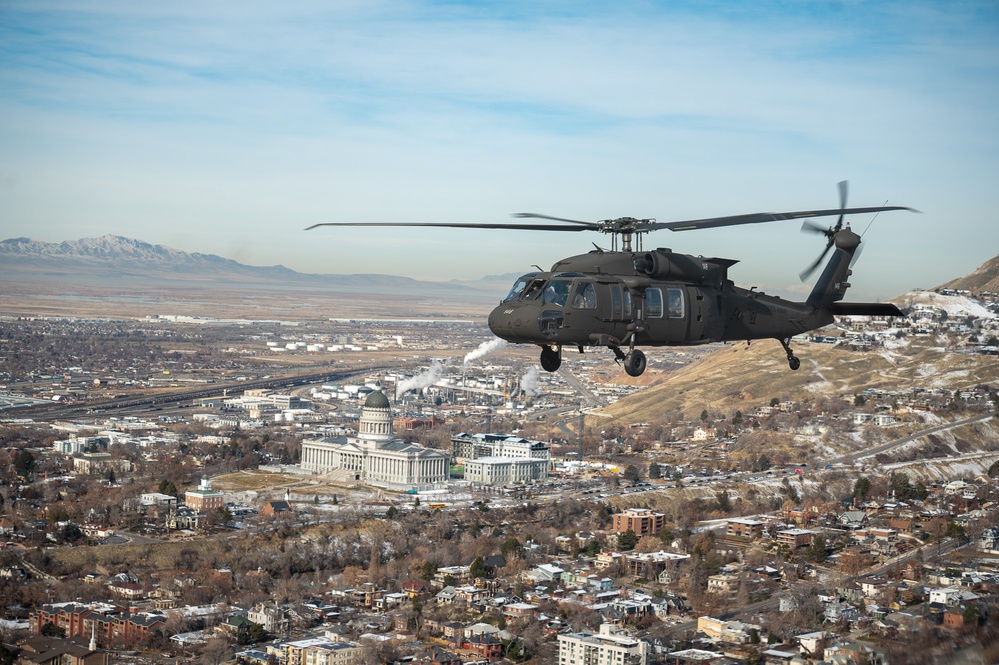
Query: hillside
(743, 377)
(984, 278)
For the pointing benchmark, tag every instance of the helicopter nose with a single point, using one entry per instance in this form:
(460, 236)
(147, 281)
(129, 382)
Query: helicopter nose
(511, 322)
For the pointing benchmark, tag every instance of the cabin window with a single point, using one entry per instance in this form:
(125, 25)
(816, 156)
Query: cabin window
(585, 296)
(653, 303)
(620, 303)
(557, 292)
(674, 303)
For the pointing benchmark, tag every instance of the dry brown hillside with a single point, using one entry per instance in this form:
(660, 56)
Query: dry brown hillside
(985, 278)
(740, 376)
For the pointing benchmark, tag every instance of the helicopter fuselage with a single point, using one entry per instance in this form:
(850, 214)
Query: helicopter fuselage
(657, 298)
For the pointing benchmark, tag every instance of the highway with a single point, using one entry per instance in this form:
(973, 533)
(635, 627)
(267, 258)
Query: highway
(885, 447)
(54, 411)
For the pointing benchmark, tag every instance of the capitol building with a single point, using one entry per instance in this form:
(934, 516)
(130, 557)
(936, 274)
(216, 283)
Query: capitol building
(375, 456)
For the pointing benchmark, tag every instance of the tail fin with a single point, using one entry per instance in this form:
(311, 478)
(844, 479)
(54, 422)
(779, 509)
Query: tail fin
(832, 285)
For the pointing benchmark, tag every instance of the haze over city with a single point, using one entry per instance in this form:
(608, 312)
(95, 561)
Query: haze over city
(229, 128)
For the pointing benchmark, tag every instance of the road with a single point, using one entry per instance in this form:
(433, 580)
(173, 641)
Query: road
(69, 411)
(884, 447)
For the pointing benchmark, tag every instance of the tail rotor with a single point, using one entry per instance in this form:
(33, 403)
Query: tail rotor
(809, 226)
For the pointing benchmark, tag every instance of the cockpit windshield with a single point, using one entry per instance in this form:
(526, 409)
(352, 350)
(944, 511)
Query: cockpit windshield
(519, 286)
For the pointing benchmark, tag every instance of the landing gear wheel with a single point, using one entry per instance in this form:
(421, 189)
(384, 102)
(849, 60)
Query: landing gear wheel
(635, 363)
(792, 360)
(551, 359)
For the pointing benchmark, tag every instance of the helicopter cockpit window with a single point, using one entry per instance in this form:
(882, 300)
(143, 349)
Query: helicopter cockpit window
(653, 303)
(534, 290)
(519, 287)
(674, 303)
(557, 292)
(585, 296)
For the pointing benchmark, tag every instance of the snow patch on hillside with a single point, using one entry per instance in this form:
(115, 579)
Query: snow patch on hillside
(953, 305)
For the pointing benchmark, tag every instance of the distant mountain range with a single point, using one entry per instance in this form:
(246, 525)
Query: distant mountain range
(115, 258)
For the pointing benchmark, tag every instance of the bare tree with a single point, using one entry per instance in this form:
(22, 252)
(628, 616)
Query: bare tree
(215, 651)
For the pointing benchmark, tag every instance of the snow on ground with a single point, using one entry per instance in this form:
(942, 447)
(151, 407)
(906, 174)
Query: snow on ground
(892, 343)
(953, 305)
(821, 387)
(823, 449)
(969, 465)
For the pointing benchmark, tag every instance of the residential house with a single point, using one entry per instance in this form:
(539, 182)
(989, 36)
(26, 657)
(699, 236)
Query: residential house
(520, 610)
(485, 645)
(723, 584)
(269, 615)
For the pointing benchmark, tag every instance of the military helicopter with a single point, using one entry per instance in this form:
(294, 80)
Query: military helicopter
(627, 297)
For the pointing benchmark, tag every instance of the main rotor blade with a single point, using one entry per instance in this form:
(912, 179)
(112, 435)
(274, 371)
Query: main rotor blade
(534, 215)
(760, 217)
(461, 225)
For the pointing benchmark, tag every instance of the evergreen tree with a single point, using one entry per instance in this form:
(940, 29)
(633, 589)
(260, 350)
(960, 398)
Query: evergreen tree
(24, 463)
(477, 568)
(724, 501)
(626, 541)
(512, 548)
(816, 551)
(428, 570)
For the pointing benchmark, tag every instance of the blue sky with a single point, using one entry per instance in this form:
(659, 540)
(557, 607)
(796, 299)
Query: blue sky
(227, 128)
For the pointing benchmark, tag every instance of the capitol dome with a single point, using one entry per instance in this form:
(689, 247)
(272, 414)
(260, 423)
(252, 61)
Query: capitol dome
(376, 400)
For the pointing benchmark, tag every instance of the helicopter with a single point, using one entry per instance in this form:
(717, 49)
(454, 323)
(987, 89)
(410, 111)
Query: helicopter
(628, 297)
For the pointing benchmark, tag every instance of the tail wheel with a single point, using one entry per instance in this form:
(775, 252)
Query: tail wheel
(551, 358)
(635, 363)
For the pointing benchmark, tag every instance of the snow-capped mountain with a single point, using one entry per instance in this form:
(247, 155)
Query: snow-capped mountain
(117, 252)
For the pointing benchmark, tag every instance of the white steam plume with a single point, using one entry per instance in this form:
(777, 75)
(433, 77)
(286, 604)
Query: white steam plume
(426, 378)
(485, 348)
(529, 382)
